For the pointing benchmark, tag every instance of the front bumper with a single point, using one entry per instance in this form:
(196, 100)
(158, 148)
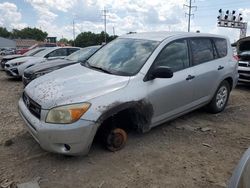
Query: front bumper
(244, 74)
(67, 139)
(13, 72)
(26, 81)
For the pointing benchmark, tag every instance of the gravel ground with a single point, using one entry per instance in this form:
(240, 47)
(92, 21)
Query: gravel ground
(176, 154)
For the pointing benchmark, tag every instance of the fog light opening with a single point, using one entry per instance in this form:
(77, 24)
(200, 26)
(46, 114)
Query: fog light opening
(67, 147)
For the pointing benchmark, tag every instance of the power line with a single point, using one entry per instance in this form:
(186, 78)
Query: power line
(190, 7)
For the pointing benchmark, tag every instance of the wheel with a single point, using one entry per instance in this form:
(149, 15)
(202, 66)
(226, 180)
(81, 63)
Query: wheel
(220, 98)
(115, 139)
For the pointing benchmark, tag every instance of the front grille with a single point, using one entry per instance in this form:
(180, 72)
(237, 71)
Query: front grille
(33, 107)
(243, 64)
(244, 72)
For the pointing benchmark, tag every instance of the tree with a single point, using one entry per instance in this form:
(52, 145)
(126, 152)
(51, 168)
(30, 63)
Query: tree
(29, 33)
(63, 40)
(89, 39)
(4, 32)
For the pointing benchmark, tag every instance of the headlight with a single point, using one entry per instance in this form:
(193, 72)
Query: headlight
(67, 114)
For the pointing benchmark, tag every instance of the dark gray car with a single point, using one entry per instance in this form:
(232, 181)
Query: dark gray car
(51, 65)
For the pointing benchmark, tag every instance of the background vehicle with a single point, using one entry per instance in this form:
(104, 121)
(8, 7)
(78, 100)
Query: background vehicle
(7, 52)
(240, 177)
(244, 66)
(10, 57)
(51, 65)
(243, 51)
(16, 67)
(24, 50)
(137, 81)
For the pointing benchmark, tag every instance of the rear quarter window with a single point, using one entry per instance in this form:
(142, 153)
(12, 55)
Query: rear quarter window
(221, 47)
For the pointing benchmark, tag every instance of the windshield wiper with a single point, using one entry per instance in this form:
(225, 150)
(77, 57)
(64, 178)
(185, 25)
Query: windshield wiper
(86, 64)
(100, 68)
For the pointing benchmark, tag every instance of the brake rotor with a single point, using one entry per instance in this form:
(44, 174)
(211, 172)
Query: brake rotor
(116, 139)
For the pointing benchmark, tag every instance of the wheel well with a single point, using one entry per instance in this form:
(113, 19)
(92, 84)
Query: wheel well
(130, 115)
(230, 81)
(124, 119)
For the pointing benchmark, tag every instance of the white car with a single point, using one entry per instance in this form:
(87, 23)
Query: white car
(16, 67)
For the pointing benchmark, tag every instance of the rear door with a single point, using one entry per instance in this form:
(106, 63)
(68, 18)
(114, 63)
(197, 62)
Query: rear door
(207, 66)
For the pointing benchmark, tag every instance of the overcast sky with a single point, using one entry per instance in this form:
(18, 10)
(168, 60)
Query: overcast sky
(56, 16)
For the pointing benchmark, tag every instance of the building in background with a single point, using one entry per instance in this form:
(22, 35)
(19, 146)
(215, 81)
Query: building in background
(51, 39)
(25, 43)
(7, 43)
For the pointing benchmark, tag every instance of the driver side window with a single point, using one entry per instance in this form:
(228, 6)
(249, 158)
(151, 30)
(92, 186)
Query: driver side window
(174, 55)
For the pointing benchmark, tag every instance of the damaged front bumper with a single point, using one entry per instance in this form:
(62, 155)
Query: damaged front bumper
(67, 139)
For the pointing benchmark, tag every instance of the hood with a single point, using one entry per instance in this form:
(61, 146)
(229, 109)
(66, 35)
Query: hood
(21, 59)
(73, 84)
(12, 56)
(58, 63)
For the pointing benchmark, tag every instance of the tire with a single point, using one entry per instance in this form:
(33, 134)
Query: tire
(115, 139)
(220, 98)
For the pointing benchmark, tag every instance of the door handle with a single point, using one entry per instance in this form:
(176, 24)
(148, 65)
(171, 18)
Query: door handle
(190, 77)
(220, 67)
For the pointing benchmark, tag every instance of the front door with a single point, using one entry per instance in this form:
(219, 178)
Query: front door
(171, 96)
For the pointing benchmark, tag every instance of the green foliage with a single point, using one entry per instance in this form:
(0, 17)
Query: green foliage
(89, 39)
(64, 40)
(4, 32)
(26, 33)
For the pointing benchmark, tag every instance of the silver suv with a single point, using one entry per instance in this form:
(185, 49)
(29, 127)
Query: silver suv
(137, 81)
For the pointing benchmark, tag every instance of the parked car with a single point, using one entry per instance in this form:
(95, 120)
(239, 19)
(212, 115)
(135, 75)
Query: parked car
(10, 57)
(8, 51)
(16, 67)
(137, 81)
(241, 174)
(51, 65)
(24, 50)
(244, 66)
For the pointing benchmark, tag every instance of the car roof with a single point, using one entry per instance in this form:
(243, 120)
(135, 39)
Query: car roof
(162, 35)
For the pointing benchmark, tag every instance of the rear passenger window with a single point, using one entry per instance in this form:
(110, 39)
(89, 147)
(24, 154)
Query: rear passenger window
(202, 50)
(72, 50)
(174, 55)
(221, 47)
(58, 52)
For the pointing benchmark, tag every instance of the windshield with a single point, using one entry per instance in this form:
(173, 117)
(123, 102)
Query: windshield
(123, 56)
(33, 51)
(44, 52)
(83, 54)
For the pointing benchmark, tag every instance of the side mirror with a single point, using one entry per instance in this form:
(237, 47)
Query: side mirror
(160, 72)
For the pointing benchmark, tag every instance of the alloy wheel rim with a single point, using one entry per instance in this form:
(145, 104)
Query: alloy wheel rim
(221, 97)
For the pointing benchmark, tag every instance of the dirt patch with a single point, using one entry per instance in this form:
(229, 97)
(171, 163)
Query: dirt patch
(176, 154)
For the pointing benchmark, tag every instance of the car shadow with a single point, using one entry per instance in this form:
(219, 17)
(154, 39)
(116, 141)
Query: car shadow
(243, 86)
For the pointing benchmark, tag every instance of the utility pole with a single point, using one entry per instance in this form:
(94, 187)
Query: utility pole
(74, 35)
(190, 7)
(105, 11)
(114, 30)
